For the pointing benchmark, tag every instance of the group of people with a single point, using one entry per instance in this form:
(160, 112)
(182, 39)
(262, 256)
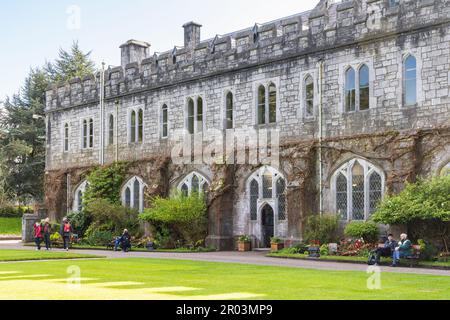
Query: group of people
(394, 249)
(43, 231)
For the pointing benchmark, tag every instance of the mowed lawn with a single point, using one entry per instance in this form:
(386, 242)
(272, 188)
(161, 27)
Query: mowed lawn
(148, 279)
(10, 226)
(27, 255)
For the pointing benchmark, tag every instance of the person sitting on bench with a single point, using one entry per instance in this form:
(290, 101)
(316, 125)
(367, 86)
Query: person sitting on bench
(403, 250)
(388, 249)
(124, 241)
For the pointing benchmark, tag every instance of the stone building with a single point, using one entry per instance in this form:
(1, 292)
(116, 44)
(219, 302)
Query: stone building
(358, 91)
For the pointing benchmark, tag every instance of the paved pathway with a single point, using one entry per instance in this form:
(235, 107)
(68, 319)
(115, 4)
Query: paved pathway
(254, 258)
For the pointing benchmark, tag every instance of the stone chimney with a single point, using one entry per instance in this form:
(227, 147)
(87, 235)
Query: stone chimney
(191, 34)
(134, 51)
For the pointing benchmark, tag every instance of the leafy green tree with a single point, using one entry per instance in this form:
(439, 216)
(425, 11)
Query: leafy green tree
(426, 201)
(22, 134)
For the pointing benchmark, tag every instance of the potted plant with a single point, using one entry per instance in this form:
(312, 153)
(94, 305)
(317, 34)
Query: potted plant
(276, 244)
(244, 243)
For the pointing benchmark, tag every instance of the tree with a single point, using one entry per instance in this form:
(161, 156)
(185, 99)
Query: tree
(22, 135)
(426, 201)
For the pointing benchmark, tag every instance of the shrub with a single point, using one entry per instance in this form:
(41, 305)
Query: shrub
(244, 239)
(98, 238)
(276, 240)
(55, 237)
(112, 217)
(365, 230)
(324, 251)
(13, 212)
(184, 216)
(80, 222)
(428, 251)
(321, 228)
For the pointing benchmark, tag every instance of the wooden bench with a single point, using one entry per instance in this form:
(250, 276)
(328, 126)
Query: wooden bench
(413, 259)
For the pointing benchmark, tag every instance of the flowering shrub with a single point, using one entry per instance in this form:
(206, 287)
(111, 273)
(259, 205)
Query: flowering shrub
(354, 248)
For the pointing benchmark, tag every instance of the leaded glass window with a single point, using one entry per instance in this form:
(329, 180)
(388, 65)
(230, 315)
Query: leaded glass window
(136, 194)
(133, 194)
(165, 122)
(199, 114)
(66, 137)
(281, 196)
(80, 201)
(111, 130)
(133, 127)
(341, 196)
(91, 133)
(375, 191)
(185, 190)
(254, 195)
(191, 116)
(195, 184)
(85, 134)
(128, 197)
(141, 125)
(358, 192)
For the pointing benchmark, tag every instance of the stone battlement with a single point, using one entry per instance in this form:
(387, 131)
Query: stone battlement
(331, 24)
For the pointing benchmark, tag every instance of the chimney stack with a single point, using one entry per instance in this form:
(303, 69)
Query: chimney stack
(191, 34)
(134, 51)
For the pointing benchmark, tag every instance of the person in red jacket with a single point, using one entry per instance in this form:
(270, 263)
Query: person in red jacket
(38, 235)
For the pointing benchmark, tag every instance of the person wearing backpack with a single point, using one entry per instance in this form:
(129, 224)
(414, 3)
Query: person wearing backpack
(66, 232)
(47, 233)
(38, 235)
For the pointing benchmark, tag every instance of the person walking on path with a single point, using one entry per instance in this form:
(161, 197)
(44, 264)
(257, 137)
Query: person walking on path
(38, 235)
(47, 234)
(66, 232)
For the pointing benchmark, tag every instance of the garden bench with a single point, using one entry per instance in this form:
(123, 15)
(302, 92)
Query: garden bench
(413, 260)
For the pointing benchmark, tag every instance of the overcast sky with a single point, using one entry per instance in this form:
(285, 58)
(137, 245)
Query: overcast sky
(32, 31)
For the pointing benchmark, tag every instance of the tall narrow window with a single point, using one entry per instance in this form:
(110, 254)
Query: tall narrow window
(254, 195)
(267, 185)
(261, 105)
(341, 196)
(350, 90)
(358, 192)
(229, 111)
(281, 196)
(85, 134)
(410, 81)
(375, 191)
(165, 122)
(195, 184)
(309, 97)
(128, 197)
(184, 190)
(199, 114)
(66, 137)
(191, 116)
(364, 88)
(111, 130)
(80, 201)
(91, 133)
(140, 125)
(272, 103)
(133, 127)
(136, 194)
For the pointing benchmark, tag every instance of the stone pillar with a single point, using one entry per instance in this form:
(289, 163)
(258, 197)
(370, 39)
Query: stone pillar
(28, 221)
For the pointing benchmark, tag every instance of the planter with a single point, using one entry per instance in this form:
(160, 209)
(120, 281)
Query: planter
(314, 252)
(244, 246)
(277, 246)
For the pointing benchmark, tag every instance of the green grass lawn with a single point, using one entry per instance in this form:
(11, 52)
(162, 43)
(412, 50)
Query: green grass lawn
(384, 261)
(24, 255)
(148, 279)
(10, 226)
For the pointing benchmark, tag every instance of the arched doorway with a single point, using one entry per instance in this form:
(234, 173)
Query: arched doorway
(268, 225)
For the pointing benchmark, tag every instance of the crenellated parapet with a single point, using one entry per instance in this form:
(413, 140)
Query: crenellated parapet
(331, 24)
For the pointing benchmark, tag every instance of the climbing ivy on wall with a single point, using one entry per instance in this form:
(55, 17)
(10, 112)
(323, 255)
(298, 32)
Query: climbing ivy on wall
(105, 183)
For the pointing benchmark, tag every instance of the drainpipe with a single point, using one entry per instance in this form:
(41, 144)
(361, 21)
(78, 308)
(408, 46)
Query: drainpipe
(102, 115)
(320, 135)
(117, 131)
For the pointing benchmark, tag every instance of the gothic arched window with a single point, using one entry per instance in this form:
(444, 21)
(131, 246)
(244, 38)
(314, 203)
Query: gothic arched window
(111, 130)
(229, 111)
(133, 127)
(309, 96)
(193, 183)
(254, 195)
(261, 105)
(281, 196)
(91, 133)
(410, 81)
(66, 137)
(164, 121)
(364, 86)
(133, 194)
(350, 90)
(78, 197)
(358, 188)
(191, 117)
